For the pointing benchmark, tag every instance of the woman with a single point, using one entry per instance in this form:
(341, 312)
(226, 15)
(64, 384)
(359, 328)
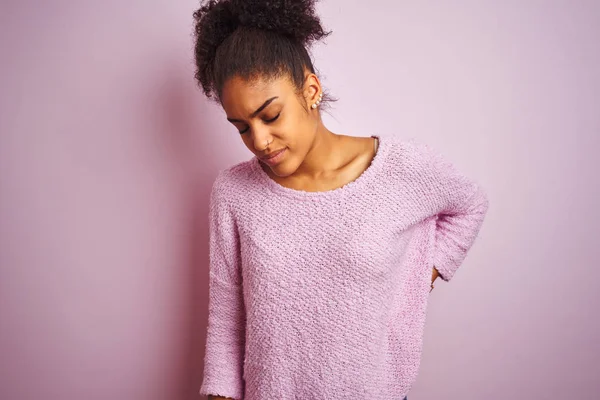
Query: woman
(323, 247)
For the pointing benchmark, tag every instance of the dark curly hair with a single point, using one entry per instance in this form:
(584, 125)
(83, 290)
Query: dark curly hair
(252, 39)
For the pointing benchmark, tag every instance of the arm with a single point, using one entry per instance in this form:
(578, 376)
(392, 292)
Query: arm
(459, 203)
(224, 357)
(457, 228)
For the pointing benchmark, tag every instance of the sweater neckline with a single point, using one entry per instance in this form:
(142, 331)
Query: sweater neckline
(369, 173)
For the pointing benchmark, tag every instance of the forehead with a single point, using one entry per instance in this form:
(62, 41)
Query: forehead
(243, 96)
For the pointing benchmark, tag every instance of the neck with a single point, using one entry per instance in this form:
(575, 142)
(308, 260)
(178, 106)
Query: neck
(324, 154)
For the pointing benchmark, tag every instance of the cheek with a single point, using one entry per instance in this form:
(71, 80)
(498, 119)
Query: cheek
(300, 124)
(298, 132)
(248, 142)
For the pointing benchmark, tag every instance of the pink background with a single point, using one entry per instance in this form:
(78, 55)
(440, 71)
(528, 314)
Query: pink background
(108, 152)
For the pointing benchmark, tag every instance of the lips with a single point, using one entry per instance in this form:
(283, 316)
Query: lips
(273, 154)
(275, 158)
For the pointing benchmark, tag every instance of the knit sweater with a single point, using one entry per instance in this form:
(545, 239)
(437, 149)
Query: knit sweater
(323, 295)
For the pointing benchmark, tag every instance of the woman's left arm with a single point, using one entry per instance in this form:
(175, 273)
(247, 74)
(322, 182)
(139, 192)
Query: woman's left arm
(459, 202)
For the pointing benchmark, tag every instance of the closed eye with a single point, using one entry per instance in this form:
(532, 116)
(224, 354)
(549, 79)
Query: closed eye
(272, 119)
(268, 121)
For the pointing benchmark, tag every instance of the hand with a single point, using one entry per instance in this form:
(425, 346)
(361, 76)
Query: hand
(434, 276)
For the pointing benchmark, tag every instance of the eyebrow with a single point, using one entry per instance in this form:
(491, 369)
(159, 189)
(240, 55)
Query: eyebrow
(259, 109)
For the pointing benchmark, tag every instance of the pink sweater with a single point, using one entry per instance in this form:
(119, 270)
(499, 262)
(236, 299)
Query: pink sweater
(323, 295)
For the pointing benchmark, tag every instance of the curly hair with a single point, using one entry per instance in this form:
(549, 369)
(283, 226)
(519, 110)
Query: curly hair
(252, 39)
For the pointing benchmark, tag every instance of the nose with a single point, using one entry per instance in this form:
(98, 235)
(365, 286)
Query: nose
(260, 139)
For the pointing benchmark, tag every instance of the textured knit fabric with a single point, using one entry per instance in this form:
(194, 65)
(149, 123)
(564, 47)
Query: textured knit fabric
(323, 295)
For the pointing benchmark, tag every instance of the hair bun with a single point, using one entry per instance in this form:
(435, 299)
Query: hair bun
(293, 18)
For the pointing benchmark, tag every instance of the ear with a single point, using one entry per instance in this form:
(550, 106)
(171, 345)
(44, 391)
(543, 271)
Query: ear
(312, 89)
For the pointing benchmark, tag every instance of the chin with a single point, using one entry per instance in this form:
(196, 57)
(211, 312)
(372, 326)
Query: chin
(282, 169)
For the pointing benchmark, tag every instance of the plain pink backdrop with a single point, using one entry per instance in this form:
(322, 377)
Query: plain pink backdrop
(108, 152)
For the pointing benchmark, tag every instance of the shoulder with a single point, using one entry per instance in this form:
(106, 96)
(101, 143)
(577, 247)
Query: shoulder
(231, 182)
(405, 152)
(411, 154)
(232, 175)
(417, 166)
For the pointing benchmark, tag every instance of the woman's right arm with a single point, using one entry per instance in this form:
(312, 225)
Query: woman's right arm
(225, 337)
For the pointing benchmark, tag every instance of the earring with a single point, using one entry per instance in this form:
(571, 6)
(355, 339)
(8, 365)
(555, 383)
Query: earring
(318, 101)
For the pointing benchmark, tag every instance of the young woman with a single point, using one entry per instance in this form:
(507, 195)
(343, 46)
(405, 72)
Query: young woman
(323, 247)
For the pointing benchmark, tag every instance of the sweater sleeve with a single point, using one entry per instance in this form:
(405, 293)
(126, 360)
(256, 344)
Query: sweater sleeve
(459, 202)
(224, 356)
